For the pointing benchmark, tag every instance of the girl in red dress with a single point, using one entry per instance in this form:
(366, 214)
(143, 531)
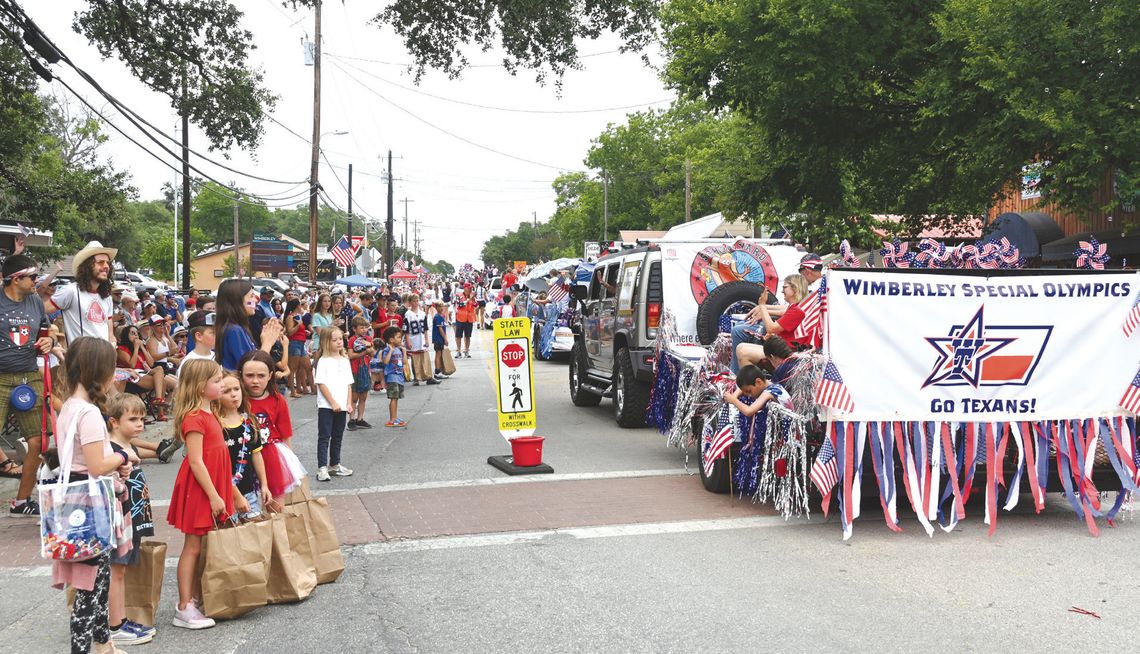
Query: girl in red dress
(270, 414)
(204, 492)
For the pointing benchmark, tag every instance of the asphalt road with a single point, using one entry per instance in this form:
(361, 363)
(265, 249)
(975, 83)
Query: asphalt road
(737, 584)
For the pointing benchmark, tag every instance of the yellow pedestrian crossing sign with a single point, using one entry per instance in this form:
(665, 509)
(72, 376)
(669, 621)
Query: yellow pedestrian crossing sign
(514, 378)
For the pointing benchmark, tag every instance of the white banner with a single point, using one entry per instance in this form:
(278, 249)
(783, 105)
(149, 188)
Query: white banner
(691, 270)
(962, 347)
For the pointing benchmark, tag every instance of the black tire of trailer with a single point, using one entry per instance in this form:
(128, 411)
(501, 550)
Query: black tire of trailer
(717, 302)
(719, 481)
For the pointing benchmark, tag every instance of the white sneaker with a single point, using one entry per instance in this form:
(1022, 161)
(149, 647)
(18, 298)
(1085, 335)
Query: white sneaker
(340, 471)
(323, 473)
(191, 617)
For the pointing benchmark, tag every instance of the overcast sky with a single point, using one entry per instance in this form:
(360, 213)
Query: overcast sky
(461, 193)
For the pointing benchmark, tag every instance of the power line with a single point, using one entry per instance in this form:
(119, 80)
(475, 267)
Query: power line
(449, 133)
(508, 109)
(409, 64)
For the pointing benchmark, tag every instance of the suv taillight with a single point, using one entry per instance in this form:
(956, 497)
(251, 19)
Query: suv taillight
(653, 315)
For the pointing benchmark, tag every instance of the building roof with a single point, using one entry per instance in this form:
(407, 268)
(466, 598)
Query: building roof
(634, 235)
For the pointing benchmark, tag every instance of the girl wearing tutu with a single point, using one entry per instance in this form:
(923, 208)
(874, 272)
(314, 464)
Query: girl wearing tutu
(270, 415)
(204, 492)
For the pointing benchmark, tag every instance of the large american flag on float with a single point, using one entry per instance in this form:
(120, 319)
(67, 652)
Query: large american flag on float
(1132, 320)
(825, 471)
(558, 291)
(1131, 399)
(810, 329)
(342, 252)
(720, 444)
(832, 392)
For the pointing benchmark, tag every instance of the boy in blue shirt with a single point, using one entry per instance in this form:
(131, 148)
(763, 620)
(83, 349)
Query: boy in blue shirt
(439, 336)
(393, 359)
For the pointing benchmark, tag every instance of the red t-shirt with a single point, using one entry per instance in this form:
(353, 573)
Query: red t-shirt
(271, 415)
(789, 322)
(509, 280)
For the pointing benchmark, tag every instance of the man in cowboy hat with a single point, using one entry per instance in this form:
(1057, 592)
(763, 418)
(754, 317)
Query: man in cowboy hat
(22, 317)
(87, 305)
(811, 267)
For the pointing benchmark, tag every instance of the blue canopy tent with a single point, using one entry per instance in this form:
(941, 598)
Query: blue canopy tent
(358, 280)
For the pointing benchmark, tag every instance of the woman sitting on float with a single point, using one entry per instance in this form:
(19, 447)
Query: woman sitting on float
(795, 290)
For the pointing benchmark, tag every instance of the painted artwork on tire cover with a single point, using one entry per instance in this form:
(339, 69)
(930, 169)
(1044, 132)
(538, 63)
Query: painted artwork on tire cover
(731, 262)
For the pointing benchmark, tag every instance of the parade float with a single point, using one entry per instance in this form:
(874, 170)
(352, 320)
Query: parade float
(947, 372)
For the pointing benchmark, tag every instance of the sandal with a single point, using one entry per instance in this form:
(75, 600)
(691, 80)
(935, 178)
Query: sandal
(9, 468)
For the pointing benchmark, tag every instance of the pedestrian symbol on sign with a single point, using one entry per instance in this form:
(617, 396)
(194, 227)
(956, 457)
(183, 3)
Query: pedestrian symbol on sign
(517, 394)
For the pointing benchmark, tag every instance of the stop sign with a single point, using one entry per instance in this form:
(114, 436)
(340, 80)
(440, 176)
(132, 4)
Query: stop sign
(513, 355)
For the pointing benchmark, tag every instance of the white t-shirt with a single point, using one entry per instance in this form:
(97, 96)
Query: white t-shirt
(193, 355)
(91, 316)
(416, 328)
(507, 311)
(336, 374)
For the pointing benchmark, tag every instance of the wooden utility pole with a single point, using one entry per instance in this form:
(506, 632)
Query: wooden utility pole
(605, 206)
(237, 243)
(313, 172)
(185, 192)
(389, 225)
(688, 190)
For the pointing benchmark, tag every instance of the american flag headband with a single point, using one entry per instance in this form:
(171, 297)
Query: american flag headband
(31, 270)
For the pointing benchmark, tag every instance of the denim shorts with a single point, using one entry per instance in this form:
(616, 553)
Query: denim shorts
(254, 499)
(297, 348)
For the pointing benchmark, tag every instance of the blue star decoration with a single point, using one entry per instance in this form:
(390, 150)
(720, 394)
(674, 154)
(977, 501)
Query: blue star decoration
(960, 355)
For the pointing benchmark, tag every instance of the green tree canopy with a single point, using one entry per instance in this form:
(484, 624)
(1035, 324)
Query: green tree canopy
(195, 53)
(914, 107)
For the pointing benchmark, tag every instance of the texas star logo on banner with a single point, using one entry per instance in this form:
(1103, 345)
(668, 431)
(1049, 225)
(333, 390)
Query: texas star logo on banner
(977, 354)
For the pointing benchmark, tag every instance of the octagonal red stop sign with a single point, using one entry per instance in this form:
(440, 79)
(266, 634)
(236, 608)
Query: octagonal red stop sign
(513, 355)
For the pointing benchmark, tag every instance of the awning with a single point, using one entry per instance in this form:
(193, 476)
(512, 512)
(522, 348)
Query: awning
(1121, 249)
(1028, 231)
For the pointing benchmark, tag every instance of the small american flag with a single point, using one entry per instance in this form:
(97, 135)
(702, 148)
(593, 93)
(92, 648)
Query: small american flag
(832, 392)
(558, 291)
(825, 471)
(1131, 400)
(810, 329)
(342, 252)
(1132, 320)
(720, 444)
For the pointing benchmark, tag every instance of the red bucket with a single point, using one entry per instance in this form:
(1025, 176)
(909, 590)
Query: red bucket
(527, 450)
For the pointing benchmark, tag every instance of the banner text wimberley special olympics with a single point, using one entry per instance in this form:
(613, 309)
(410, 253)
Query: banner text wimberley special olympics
(973, 347)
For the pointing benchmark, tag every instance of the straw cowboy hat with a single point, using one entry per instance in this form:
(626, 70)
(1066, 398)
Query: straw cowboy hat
(90, 250)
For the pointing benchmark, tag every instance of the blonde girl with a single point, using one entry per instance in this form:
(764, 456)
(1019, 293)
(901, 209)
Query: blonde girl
(334, 395)
(204, 493)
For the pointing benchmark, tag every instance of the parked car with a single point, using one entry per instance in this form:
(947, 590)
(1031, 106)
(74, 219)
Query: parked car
(139, 281)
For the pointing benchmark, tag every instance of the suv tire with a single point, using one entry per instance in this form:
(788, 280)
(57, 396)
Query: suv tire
(717, 302)
(631, 397)
(578, 367)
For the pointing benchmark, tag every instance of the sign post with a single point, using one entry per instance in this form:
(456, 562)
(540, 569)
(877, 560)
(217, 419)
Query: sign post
(514, 384)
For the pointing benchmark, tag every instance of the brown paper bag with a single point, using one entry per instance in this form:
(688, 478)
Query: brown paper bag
(448, 362)
(408, 376)
(292, 574)
(143, 583)
(421, 362)
(300, 493)
(325, 545)
(235, 568)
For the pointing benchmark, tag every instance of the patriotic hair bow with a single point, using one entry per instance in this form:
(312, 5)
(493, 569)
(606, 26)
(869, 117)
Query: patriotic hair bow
(895, 255)
(1092, 254)
(931, 254)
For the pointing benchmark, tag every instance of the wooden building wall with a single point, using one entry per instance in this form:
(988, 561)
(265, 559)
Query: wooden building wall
(1073, 223)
